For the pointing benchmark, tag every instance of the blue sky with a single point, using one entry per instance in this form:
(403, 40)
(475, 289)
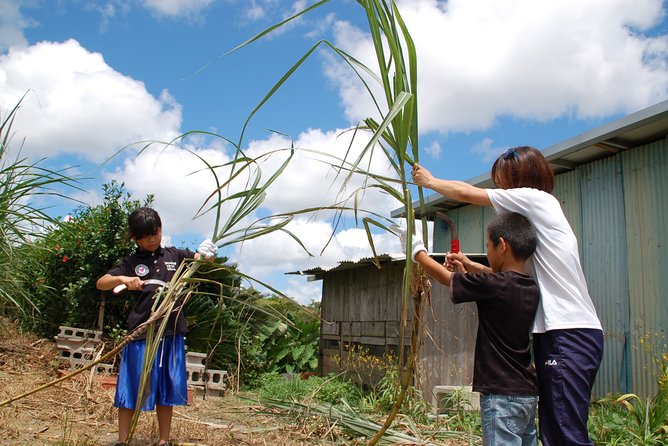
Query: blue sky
(101, 75)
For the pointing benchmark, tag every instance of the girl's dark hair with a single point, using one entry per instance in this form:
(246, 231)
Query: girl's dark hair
(523, 167)
(517, 231)
(143, 222)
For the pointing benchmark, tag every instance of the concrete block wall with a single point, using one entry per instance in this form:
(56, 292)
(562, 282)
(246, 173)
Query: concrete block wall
(201, 379)
(462, 396)
(77, 346)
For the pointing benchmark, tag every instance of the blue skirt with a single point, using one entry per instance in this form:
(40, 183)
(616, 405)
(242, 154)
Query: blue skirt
(168, 383)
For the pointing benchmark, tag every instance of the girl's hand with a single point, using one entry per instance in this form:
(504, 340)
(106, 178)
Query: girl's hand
(132, 283)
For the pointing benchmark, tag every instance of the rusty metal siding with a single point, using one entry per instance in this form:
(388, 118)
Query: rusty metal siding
(646, 195)
(603, 248)
(567, 189)
(471, 222)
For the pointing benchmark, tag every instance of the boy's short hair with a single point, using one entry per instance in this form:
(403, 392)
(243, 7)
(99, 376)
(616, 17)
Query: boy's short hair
(517, 231)
(143, 222)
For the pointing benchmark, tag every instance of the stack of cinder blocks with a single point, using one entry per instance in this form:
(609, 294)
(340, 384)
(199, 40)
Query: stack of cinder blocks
(77, 347)
(203, 380)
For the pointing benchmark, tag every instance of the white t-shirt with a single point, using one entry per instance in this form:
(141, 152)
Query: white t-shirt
(564, 299)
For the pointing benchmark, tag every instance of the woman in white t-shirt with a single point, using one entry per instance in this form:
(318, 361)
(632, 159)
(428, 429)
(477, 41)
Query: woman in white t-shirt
(567, 334)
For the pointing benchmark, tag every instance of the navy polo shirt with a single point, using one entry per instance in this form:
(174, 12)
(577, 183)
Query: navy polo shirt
(160, 265)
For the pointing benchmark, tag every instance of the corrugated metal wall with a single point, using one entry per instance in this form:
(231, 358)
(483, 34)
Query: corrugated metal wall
(618, 208)
(645, 177)
(603, 250)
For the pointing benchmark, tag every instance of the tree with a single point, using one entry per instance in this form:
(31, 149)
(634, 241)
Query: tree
(71, 257)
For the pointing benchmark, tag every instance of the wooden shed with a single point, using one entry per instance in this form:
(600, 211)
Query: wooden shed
(361, 310)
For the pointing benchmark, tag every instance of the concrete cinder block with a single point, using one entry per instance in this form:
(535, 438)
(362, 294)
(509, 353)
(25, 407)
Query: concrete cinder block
(73, 332)
(195, 361)
(200, 391)
(82, 353)
(454, 396)
(73, 344)
(104, 369)
(211, 379)
(78, 346)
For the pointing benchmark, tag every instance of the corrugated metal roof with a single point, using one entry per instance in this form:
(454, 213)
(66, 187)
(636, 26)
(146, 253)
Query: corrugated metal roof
(640, 128)
(318, 272)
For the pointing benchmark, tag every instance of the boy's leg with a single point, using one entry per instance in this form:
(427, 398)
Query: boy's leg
(124, 421)
(530, 435)
(507, 420)
(164, 422)
(567, 362)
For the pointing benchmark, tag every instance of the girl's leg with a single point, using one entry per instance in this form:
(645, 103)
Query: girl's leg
(124, 421)
(164, 422)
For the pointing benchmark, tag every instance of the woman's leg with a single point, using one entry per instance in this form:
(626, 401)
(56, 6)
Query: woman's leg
(567, 362)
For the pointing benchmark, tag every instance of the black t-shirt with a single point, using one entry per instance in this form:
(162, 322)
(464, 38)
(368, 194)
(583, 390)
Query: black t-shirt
(161, 265)
(507, 303)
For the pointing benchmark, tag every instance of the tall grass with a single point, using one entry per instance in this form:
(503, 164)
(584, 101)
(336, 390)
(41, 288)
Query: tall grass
(23, 185)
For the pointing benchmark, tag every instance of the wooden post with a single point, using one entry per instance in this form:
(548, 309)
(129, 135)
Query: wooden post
(100, 312)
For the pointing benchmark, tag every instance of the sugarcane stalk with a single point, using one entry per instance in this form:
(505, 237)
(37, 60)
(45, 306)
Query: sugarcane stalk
(420, 288)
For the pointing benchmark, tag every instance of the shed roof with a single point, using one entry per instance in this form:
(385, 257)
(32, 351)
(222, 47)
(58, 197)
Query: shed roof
(637, 129)
(318, 273)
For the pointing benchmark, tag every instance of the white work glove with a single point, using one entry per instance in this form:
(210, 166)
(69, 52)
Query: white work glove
(416, 242)
(207, 249)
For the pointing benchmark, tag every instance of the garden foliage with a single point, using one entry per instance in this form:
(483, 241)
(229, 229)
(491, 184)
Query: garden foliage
(69, 259)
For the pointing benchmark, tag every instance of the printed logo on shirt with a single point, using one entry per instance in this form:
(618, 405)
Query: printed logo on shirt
(171, 266)
(141, 270)
(551, 362)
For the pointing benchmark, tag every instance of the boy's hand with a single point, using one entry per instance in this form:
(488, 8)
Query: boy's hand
(207, 250)
(454, 266)
(416, 245)
(456, 262)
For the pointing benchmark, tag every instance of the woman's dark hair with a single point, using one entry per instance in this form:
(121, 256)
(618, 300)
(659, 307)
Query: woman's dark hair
(143, 222)
(523, 167)
(517, 231)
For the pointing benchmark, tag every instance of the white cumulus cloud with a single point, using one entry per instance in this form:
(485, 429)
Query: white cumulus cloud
(77, 104)
(482, 59)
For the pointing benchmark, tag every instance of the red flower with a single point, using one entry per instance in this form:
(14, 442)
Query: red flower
(65, 258)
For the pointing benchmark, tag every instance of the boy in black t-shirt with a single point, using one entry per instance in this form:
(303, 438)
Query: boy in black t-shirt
(507, 300)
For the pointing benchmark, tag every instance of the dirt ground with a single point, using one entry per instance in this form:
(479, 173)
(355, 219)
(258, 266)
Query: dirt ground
(80, 412)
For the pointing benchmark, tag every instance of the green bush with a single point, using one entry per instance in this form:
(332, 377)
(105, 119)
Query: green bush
(70, 258)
